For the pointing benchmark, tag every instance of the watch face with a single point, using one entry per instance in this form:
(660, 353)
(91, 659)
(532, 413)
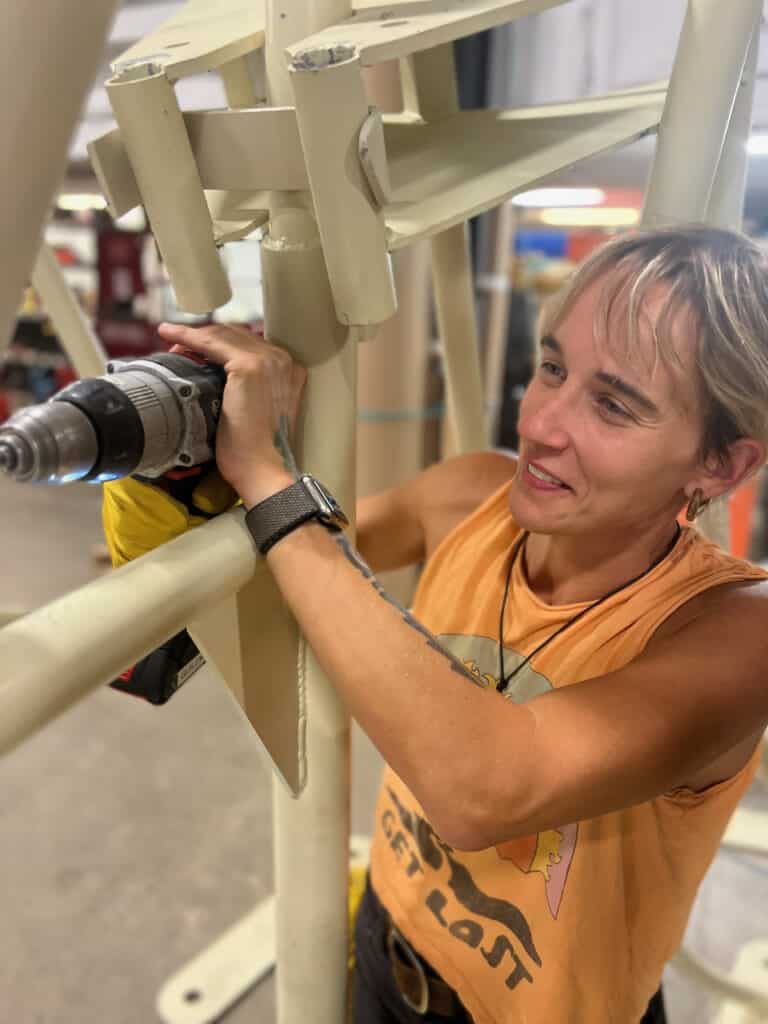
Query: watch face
(328, 508)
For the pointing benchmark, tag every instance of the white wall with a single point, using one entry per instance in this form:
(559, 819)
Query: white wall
(594, 46)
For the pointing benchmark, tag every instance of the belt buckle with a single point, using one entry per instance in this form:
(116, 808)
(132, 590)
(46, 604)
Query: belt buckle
(397, 943)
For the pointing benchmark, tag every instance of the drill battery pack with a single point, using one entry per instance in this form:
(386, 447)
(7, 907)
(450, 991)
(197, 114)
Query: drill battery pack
(160, 674)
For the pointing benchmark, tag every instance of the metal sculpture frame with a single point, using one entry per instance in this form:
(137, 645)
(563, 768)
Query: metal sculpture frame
(337, 187)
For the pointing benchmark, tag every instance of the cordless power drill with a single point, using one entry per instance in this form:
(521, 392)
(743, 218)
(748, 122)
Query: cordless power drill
(144, 417)
(153, 417)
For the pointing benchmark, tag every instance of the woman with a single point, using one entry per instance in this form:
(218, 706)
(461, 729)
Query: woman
(573, 710)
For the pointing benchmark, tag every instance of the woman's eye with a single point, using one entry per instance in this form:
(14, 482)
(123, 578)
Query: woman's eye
(550, 369)
(612, 408)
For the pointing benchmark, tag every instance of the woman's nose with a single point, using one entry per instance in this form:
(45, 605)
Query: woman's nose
(543, 419)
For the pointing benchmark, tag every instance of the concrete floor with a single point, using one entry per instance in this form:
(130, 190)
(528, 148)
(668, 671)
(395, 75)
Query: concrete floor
(132, 836)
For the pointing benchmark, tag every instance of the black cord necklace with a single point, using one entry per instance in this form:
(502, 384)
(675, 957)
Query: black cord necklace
(504, 679)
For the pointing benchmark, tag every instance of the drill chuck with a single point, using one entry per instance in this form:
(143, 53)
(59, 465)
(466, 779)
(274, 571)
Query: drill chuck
(8, 457)
(145, 416)
(49, 443)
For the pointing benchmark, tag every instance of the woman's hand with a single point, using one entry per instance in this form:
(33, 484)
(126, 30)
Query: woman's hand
(261, 403)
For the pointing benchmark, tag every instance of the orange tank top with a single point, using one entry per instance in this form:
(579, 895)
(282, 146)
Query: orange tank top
(574, 925)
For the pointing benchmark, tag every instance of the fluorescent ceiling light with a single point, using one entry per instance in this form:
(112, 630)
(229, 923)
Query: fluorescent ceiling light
(758, 145)
(81, 201)
(542, 197)
(599, 216)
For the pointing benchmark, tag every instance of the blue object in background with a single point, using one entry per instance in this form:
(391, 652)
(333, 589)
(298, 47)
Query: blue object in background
(552, 244)
(41, 381)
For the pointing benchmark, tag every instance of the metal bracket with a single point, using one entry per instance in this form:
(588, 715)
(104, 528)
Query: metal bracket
(373, 157)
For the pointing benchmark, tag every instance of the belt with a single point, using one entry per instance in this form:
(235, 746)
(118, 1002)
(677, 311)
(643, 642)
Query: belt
(421, 993)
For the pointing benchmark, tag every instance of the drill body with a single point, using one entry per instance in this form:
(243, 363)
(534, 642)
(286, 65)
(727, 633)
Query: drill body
(143, 417)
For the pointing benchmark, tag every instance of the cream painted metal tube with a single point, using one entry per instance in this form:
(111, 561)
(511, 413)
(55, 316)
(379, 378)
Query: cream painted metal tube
(431, 84)
(331, 107)
(705, 115)
(726, 202)
(710, 59)
(725, 210)
(311, 836)
(312, 833)
(497, 317)
(158, 147)
(288, 23)
(77, 338)
(392, 377)
(455, 302)
(56, 655)
(37, 67)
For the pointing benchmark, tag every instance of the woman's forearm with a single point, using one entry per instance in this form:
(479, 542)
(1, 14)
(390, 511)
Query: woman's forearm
(429, 716)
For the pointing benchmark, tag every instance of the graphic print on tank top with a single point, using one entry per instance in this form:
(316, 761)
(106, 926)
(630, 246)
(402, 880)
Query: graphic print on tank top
(547, 854)
(494, 927)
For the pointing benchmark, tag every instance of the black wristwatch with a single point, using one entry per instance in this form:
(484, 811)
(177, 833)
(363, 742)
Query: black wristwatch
(275, 517)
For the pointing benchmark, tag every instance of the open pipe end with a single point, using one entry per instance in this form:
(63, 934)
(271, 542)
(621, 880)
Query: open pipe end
(141, 67)
(323, 57)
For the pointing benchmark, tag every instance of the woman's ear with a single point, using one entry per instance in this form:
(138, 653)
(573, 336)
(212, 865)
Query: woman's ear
(724, 473)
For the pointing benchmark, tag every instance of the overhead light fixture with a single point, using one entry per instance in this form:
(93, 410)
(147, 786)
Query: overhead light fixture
(74, 201)
(539, 198)
(758, 145)
(599, 216)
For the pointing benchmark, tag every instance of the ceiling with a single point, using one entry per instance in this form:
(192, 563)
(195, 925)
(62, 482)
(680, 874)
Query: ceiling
(585, 47)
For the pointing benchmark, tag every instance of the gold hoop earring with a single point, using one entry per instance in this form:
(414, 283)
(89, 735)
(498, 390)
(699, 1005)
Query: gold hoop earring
(696, 505)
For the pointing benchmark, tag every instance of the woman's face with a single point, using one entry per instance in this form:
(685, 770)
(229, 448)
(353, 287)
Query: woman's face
(607, 442)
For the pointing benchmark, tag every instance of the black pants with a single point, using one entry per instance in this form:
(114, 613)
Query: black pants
(375, 997)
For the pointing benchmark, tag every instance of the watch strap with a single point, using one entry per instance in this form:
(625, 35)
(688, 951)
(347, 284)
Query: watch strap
(276, 516)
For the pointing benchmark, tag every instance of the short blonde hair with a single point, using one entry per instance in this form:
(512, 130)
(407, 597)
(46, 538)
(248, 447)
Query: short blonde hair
(718, 277)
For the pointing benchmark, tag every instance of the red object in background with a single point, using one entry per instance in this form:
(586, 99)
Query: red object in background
(582, 243)
(119, 265)
(5, 409)
(120, 281)
(129, 337)
(741, 507)
(64, 375)
(65, 256)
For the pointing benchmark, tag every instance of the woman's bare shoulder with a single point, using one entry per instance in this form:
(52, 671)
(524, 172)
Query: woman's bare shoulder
(404, 524)
(453, 489)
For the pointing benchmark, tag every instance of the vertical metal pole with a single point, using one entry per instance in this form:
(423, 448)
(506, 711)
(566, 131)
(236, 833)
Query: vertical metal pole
(726, 210)
(77, 338)
(498, 285)
(430, 82)
(710, 59)
(36, 65)
(706, 115)
(392, 375)
(311, 833)
(726, 201)
(455, 302)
